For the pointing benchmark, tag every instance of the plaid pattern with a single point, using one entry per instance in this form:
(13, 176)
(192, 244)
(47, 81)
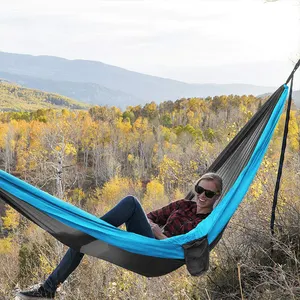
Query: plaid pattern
(178, 217)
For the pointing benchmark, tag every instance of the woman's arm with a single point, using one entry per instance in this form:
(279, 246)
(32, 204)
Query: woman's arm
(157, 231)
(159, 218)
(161, 215)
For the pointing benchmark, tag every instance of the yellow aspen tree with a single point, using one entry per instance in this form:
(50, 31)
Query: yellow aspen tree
(36, 152)
(22, 146)
(155, 196)
(11, 219)
(6, 245)
(294, 133)
(3, 132)
(116, 189)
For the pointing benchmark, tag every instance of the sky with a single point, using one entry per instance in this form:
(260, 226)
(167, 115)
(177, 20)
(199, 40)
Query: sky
(195, 41)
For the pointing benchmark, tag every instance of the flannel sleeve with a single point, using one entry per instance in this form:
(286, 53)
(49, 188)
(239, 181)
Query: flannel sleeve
(161, 215)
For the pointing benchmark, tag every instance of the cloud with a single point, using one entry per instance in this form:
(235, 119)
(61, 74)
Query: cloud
(143, 35)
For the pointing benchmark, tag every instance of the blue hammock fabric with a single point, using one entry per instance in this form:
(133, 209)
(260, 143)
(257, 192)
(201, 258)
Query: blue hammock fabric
(171, 248)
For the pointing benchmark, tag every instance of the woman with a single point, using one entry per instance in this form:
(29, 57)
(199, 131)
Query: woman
(176, 218)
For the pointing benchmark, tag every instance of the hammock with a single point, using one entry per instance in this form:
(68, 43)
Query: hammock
(86, 233)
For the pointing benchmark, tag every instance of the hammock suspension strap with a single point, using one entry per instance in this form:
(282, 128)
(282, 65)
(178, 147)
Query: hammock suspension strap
(283, 148)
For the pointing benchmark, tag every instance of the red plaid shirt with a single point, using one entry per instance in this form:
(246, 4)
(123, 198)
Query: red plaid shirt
(178, 217)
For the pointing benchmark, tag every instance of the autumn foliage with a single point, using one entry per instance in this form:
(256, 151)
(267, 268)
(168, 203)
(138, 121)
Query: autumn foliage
(94, 158)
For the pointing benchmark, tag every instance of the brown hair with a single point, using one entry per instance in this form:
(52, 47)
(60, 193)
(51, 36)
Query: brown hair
(212, 177)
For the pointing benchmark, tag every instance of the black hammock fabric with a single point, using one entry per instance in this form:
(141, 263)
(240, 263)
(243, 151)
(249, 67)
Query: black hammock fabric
(237, 165)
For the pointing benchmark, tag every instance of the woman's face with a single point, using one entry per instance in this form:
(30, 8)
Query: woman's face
(204, 203)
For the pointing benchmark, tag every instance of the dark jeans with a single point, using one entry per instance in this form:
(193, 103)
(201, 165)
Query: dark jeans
(128, 211)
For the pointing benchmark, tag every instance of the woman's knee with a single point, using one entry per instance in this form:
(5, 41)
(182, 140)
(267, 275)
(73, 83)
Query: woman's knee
(132, 200)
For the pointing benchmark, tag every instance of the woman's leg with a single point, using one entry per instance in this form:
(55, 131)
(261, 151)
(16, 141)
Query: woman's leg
(66, 266)
(128, 211)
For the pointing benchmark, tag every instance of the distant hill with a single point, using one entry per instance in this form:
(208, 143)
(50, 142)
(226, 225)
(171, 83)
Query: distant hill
(16, 98)
(86, 92)
(99, 83)
(296, 97)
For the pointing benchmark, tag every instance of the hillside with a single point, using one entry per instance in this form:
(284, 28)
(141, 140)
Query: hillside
(99, 83)
(94, 158)
(17, 98)
(296, 97)
(92, 93)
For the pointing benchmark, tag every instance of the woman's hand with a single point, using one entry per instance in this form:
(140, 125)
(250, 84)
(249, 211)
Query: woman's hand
(157, 231)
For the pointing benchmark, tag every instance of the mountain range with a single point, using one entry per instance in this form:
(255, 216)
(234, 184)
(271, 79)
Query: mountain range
(97, 83)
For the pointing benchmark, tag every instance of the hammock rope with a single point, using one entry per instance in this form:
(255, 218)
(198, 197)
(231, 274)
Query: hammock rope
(283, 148)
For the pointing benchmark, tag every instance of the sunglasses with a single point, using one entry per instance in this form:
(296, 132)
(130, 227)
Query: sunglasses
(209, 194)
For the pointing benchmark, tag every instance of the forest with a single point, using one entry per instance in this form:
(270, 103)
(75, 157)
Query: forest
(14, 97)
(92, 158)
